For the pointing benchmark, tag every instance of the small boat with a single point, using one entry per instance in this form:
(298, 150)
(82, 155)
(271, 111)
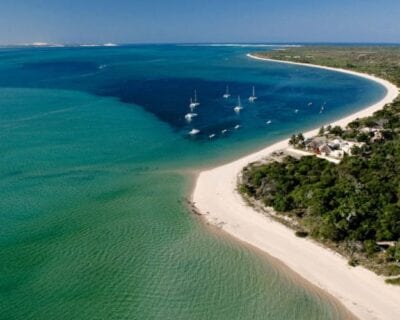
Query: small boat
(211, 135)
(193, 132)
(296, 110)
(190, 116)
(253, 97)
(226, 94)
(195, 103)
(239, 107)
(237, 126)
(224, 131)
(309, 104)
(268, 122)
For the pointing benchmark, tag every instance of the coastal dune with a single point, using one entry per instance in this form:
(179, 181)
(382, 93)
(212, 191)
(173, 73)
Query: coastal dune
(361, 291)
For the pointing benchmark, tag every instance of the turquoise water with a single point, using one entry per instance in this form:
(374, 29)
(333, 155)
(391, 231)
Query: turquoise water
(96, 164)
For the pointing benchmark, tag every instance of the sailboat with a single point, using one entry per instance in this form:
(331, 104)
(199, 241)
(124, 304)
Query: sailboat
(191, 105)
(226, 94)
(193, 132)
(322, 107)
(239, 107)
(190, 116)
(253, 97)
(195, 103)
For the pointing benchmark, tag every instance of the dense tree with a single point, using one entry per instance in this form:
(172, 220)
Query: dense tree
(336, 130)
(358, 199)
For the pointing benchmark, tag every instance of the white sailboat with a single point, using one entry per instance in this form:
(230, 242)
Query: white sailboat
(237, 126)
(193, 132)
(239, 107)
(191, 105)
(189, 116)
(211, 136)
(253, 97)
(269, 122)
(226, 94)
(195, 103)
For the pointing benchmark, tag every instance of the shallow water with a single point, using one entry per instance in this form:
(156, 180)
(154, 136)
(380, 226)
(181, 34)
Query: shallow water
(96, 164)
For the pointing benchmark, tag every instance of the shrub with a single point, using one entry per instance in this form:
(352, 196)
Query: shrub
(353, 262)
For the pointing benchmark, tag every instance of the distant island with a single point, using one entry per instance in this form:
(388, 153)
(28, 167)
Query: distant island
(325, 202)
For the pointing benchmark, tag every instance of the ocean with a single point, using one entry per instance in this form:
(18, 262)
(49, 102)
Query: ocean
(97, 164)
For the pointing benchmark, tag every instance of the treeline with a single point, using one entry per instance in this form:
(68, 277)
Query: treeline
(382, 61)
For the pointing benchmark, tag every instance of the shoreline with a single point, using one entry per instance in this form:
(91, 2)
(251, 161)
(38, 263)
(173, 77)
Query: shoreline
(359, 290)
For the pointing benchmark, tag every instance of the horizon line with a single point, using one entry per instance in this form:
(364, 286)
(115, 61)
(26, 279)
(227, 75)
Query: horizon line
(232, 43)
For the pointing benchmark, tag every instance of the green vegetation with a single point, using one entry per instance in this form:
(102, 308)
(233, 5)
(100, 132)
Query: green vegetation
(354, 206)
(382, 61)
(297, 140)
(395, 281)
(337, 131)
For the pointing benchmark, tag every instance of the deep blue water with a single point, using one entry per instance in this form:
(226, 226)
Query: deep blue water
(162, 79)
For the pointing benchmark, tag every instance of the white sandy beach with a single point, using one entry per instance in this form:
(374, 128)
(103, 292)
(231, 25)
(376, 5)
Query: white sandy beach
(361, 291)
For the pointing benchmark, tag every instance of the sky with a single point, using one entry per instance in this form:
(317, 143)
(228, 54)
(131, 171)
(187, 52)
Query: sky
(194, 21)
